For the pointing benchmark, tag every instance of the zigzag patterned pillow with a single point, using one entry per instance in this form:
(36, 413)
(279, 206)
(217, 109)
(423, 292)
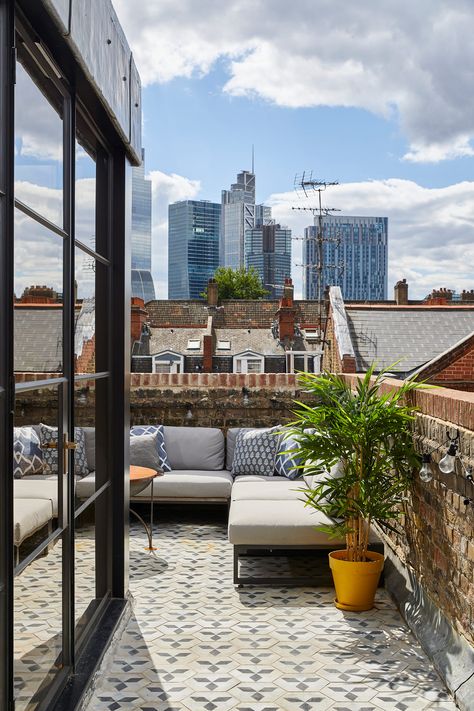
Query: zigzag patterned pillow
(159, 430)
(287, 460)
(27, 452)
(255, 451)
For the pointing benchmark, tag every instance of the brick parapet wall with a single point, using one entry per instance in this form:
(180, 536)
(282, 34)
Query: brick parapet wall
(213, 399)
(434, 536)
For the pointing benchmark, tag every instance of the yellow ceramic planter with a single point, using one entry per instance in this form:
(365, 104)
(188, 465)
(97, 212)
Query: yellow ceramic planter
(355, 583)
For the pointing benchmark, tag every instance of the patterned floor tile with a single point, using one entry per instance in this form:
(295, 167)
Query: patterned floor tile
(195, 643)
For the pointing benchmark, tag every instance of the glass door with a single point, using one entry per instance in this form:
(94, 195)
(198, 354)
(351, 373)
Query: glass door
(60, 432)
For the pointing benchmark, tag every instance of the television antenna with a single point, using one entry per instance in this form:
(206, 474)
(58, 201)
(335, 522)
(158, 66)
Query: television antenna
(308, 184)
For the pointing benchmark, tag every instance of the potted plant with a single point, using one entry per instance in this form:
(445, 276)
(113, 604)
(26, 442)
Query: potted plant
(358, 446)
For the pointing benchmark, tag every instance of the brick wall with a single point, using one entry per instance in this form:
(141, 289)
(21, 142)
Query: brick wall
(213, 399)
(455, 369)
(434, 537)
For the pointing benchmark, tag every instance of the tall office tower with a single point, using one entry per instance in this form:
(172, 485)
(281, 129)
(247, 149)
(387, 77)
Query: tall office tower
(142, 281)
(268, 250)
(263, 215)
(237, 216)
(193, 246)
(354, 257)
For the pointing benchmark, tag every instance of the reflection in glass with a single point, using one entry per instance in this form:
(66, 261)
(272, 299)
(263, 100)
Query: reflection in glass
(37, 628)
(85, 546)
(84, 327)
(38, 284)
(85, 195)
(85, 419)
(35, 469)
(38, 150)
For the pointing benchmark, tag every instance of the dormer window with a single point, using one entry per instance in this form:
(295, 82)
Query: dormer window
(194, 344)
(223, 345)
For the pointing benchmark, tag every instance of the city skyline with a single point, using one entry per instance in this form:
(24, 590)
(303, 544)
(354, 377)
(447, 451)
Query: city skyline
(389, 119)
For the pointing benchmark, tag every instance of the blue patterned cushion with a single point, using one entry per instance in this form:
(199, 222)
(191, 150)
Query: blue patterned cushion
(255, 451)
(287, 459)
(50, 456)
(138, 430)
(27, 452)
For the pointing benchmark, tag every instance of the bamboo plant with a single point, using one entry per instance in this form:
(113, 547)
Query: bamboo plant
(369, 435)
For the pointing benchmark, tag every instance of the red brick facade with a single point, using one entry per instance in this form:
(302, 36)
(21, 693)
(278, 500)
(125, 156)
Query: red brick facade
(455, 369)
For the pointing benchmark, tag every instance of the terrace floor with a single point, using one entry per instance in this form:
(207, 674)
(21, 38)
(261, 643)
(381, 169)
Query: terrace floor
(195, 643)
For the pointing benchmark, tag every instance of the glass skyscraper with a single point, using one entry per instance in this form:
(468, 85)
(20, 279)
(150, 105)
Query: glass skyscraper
(268, 250)
(142, 280)
(193, 246)
(355, 256)
(238, 215)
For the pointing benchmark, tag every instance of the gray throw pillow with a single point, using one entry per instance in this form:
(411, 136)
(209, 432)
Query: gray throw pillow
(255, 451)
(144, 452)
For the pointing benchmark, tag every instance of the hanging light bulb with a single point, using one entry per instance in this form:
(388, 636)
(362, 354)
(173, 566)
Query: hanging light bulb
(426, 473)
(446, 464)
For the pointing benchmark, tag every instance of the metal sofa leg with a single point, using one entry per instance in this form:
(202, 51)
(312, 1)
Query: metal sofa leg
(236, 567)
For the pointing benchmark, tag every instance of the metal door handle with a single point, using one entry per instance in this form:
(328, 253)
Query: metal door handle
(66, 445)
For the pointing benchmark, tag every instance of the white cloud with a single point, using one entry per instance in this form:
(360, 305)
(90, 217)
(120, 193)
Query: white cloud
(411, 60)
(430, 229)
(166, 188)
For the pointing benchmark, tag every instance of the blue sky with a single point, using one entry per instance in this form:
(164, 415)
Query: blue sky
(375, 95)
(192, 128)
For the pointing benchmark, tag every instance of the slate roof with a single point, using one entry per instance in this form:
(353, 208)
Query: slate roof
(230, 314)
(38, 339)
(259, 340)
(414, 335)
(175, 339)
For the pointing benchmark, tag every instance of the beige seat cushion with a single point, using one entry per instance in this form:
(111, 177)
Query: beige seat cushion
(277, 522)
(266, 488)
(85, 487)
(177, 484)
(29, 488)
(29, 516)
(191, 484)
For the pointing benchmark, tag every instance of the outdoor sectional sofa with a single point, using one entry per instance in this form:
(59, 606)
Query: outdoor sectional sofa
(266, 513)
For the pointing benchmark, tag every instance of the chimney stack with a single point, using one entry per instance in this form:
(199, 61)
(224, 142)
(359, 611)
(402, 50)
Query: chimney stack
(287, 294)
(401, 292)
(212, 292)
(138, 317)
(286, 313)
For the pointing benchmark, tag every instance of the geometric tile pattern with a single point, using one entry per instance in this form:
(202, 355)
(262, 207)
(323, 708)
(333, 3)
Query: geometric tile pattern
(195, 643)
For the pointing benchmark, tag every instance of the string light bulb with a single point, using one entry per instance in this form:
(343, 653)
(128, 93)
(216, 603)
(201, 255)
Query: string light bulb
(426, 473)
(446, 464)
